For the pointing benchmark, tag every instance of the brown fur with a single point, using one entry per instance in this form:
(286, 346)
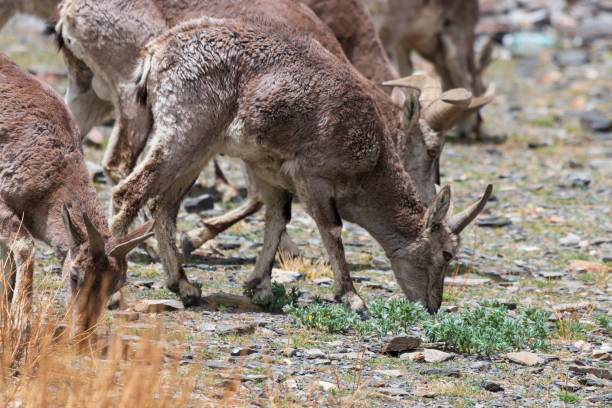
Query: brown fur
(306, 124)
(442, 31)
(351, 22)
(42, 171)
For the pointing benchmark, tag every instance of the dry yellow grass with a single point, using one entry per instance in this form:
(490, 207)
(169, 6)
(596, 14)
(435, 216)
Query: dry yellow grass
(311, 269)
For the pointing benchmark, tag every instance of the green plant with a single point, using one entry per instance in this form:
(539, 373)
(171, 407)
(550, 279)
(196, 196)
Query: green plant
(605, 322)
(279, 298)
(570, 328)
(568, 397)
(489, 329)
(381, 318)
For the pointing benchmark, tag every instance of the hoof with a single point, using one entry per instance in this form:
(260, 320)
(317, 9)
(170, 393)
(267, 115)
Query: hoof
(354, 302)
(193, 301)
(258, 288)
(190, 295)
(186, 245)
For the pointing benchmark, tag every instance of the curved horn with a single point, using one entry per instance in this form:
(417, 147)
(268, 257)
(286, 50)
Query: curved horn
(459, 221)
(96, 242)
(428, 86)
(484, 99)
(121, 247)
(446, 110)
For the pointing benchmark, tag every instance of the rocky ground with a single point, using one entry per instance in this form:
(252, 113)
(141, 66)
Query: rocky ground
(544, 240)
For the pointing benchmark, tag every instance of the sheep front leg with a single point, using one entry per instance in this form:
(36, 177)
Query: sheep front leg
(278, 214)
(165, 210)
(318, 197)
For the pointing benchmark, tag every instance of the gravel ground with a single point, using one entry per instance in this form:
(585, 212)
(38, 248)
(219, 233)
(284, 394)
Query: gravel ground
(551, 206)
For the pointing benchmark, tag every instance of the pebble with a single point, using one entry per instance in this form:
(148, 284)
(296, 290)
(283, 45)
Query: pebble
(493, 222)
(570, 239)
(491, 386)
(284, 277)
(442, 372)
(327, 386)
(400, 344)
(525, 358)
(596, 371)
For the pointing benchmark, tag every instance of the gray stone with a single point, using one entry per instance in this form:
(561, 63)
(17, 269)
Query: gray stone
(525, 358)
(284, 277)
(242, 351)
(491, 386)
(445, 373)
(465, 282)
(596, 371)
(573, 57)
(158, 306)
(400, 344)
(198, 204)
(570, 240)
(493, 222)
(226, 329)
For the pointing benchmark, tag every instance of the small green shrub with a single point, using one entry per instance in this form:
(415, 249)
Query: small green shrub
(279, 298)
(568, 397)
(381, 318)
(489, 329)
(605, 322)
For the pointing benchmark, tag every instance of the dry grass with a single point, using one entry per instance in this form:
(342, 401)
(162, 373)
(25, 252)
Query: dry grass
(311, 269)
(41, 366)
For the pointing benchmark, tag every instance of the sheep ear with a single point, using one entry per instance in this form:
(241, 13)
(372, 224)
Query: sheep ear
(438, 208)
(75, 239)
(122, 246)
(96, 242)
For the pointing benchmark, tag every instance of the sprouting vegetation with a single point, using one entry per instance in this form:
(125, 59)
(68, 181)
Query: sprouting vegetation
(484, 330)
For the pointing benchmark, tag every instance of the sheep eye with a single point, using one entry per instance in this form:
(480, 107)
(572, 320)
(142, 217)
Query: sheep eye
(432, 153)
(74, 276)
(447, 256)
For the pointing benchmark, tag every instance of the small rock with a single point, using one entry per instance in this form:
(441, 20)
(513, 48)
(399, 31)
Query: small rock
(577, 180)
(602, 355)
(573, 307)
(227, 329)
(400, 344)
(573, 57)
(491, 386)
(436, 356)
(493, 222)
(284, 277)
(578, 266)
(591, 382)
(326, 386)
(391, 373)
(567, 386)
(394, 391)
(465, 282)
(596, 371)
(552, 275)
(242, 351)
(198, 204)
(445, 373)
(417, 356)
(323, 281)
(314, 353)
(158, 306)
(583, 345)
(570, 240)
(525, 358)
(216, 364)
(594, 121)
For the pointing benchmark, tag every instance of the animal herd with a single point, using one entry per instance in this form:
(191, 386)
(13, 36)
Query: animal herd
(303, 92)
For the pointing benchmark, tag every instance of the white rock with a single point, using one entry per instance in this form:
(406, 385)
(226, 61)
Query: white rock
(525, 358)
(283, 277)
(465, 282)
(326, 385)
